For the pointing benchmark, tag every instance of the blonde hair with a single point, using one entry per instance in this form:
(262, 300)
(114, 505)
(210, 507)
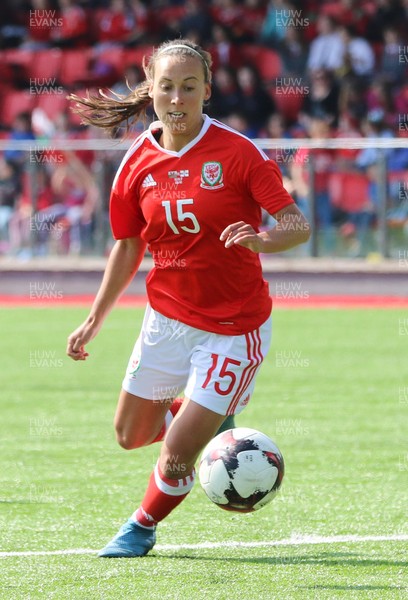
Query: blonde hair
(111, 111)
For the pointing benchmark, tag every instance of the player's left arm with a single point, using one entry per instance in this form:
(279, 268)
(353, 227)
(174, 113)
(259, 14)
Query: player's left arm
(291, 229)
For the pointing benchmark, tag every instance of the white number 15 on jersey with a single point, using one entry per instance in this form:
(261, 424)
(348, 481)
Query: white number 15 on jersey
(182, 215)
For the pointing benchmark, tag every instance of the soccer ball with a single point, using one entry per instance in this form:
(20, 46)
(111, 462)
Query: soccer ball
(241, 469)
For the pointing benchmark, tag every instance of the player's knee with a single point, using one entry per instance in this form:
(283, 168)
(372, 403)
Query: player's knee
(128, 440)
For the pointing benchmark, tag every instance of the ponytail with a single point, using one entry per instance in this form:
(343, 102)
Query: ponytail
(109, 112)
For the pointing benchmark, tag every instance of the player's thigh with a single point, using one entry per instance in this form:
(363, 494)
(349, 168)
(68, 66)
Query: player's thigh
(159, 365)
(138, 420)
(224, 369)
(192, 428)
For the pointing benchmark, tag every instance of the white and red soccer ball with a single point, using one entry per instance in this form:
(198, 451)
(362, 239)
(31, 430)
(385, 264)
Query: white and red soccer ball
(241, 469)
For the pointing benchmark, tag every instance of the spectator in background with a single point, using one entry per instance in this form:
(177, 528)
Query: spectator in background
(230, 14)
(373, 126)
(359, 58)
(239, 122)
(100, 72)
(401, 106)
(255, 103)
(348, 128)
(39, 30)
(10, 189)
(385, 14)
(223, 51)
(142, 19)
(254, 12)
(293, 52)
(275, 24)
(116, 25)
(21, 130)
(75, 198)
(352, 99)
(398, 169)
(327, 49)
(323, 98)
(392, 69)
(348, 12)
(275, 128)
(226, 96)
(293, 166)
(73, 31)
(198, 19)
(132, 76)
(361, 212)
(318, 127)
(379, 97)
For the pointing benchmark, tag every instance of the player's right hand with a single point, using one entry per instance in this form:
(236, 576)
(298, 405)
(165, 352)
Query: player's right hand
(79, 338)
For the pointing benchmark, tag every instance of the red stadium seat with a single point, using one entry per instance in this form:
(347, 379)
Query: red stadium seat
(15, 102)
(349, 191)
(74, 66)
(169, 14)
(52, 104)
(6, 70)
(114, 57)
(15, 66)
(135, 55)
(46, 65)
(16, 56)
(288, 102)
(266, 61)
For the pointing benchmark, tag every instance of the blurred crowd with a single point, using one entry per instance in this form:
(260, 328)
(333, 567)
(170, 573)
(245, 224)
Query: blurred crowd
(328, 69)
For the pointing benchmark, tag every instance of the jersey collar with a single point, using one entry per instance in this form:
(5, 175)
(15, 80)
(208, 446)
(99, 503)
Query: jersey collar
(159, 125)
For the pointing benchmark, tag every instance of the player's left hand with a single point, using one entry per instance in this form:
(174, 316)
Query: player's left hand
(242, 234)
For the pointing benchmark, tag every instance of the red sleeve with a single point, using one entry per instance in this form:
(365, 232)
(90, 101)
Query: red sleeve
(126, 217)
(265, 185)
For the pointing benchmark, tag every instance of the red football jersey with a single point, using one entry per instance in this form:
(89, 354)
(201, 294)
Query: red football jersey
(179, 203)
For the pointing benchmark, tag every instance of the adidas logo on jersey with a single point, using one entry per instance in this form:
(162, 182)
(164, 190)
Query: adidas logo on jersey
(148, 181)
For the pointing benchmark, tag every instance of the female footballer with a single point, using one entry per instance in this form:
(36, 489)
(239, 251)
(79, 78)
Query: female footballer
(192, 190)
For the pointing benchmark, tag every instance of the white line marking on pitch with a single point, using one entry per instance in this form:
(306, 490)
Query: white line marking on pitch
(299, 540)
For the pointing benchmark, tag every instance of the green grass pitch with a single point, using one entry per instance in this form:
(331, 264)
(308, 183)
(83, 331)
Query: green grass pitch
(333, 394)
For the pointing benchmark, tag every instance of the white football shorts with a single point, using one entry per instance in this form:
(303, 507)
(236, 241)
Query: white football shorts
(216, 371)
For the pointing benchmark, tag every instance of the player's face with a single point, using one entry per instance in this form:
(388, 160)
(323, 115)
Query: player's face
(178, 93)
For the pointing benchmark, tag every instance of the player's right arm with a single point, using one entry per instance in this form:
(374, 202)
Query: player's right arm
(123, 263)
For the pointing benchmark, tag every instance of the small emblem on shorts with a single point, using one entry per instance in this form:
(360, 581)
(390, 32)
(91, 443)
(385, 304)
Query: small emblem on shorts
(245, 400)
(134, 367)
(212, 176)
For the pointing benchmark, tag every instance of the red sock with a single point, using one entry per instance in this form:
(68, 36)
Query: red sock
(171, 413)
(161, 497)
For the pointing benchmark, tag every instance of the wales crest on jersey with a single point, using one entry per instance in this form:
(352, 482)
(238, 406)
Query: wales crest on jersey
(212, 177)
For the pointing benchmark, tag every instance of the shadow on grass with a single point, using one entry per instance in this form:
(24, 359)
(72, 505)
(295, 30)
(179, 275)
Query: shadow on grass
(329, 559)
(361, 588)
(22, 502)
